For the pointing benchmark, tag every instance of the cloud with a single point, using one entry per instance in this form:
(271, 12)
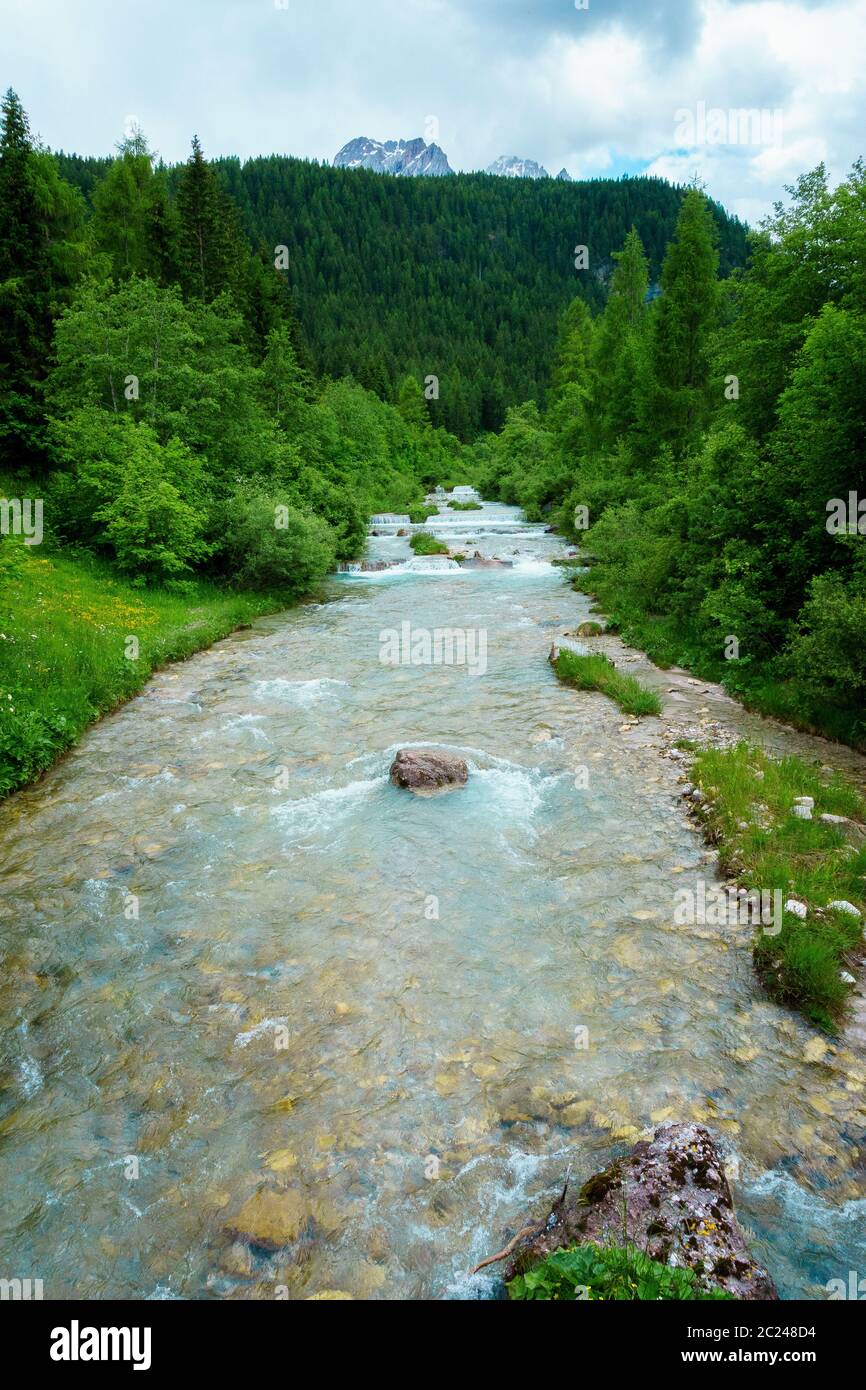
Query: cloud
(596, 90)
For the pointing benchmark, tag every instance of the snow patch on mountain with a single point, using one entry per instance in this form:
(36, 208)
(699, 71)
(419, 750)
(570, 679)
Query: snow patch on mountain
(409, 158)
(510, 167)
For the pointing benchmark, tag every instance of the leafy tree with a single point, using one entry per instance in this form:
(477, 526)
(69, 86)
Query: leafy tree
(269, 545)
(133, 221)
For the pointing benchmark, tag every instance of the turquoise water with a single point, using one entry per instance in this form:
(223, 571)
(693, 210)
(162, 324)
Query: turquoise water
(236, 958)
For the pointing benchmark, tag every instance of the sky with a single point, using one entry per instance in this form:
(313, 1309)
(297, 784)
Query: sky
(600, 87)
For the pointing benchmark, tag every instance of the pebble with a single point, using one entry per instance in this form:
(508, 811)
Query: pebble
(798, 909)
(842, 905)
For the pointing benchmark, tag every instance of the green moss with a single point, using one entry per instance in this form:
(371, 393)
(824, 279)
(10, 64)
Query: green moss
(597, 672)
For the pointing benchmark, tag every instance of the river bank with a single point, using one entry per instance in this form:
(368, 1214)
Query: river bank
(350, 1036)
(77, 641)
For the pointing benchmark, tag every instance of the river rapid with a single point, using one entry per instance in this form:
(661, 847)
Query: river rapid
(235, 959)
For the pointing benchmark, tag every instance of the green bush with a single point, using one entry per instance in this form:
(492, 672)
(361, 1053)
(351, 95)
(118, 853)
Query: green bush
(425, 544)
(828, 651)
(270, 546)
(615, 1273)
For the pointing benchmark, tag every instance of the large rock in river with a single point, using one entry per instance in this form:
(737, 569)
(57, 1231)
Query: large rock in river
(670, 1197)
(428, 770)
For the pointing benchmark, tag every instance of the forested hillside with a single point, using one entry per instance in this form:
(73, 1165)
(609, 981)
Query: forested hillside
(709, 451)
(461, 278)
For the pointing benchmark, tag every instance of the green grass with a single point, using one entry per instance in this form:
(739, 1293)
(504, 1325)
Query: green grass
(424, 544)
(419, 514)
(609, 1273)
(806, 859)
(597, 672)
(465, 506)
(64, 622)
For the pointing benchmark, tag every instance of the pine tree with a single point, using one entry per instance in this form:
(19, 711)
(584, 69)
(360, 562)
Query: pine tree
(684, 319)
(619, 345)
(412, 405)
(41, 231)
(211, 250)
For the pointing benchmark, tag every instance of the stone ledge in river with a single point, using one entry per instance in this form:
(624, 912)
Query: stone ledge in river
(481, 562)
(428, 770)
(670, 1197)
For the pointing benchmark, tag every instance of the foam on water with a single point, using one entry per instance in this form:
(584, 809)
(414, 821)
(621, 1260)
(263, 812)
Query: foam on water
(324, 810)
(299, 692)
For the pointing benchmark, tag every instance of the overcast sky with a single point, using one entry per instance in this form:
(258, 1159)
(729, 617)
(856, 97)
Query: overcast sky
(601, 90)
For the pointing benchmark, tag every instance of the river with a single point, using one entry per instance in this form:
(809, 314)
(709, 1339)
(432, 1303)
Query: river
(236, 959)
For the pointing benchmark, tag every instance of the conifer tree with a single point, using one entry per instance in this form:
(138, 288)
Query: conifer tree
(684, 319)
(412, 405)
(41, 231)
(211, 249)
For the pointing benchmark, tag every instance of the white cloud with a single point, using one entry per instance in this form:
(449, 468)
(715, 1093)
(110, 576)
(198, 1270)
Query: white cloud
(595, 90)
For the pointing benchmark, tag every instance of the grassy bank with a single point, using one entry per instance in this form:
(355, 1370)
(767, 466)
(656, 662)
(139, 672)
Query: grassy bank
(65, 621)
(749, 815)
(670, 642)
(597, 672)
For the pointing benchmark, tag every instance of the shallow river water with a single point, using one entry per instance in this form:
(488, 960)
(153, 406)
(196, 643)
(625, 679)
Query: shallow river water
(235, 959)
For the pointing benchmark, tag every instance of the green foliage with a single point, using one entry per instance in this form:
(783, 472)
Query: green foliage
(475, 275)
(617, 1273)
(827, 650)
(711, 436)
(270, 546)
(42, 251)
(424, 544)
(597, 672)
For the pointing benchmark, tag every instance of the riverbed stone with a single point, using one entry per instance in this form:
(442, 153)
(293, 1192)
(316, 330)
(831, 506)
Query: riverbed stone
(270, 1218)
(671, 1197)
(428, 770)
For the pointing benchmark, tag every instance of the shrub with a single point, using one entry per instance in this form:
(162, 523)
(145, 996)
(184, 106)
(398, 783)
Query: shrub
(828, 653)
(270, 546)
(596, 1273)
(425, 544)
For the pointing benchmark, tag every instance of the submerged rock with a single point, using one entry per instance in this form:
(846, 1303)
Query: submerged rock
(428, 770)
(270, 1218)
(670, 1197)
